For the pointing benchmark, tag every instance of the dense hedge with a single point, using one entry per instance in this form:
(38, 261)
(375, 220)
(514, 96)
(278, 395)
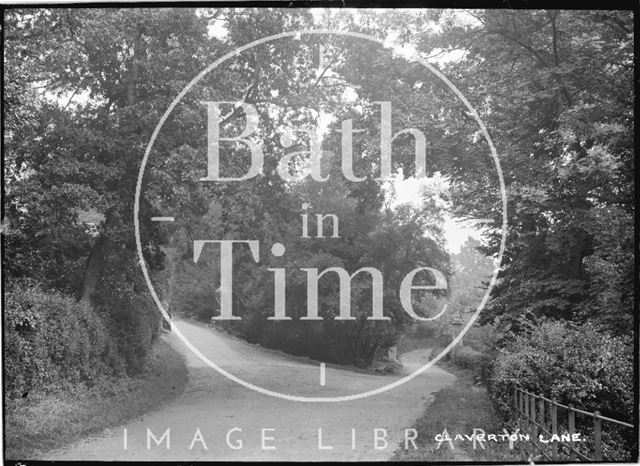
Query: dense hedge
(582, 365)
(469, 358)
(53, 340)
(133, 322)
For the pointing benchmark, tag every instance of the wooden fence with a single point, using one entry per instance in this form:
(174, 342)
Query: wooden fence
(538, 415)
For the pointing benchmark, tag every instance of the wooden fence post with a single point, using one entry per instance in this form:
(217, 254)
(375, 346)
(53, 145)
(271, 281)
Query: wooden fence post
(542, 419)
(526, 410)
(597, 433)
(534, 428)
(572, 430)
(554, 429)
(515, 400)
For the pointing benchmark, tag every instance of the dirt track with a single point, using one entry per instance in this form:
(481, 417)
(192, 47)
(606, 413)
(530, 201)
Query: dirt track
(217, 405)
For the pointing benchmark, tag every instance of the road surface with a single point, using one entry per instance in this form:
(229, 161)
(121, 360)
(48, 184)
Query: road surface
(236, 423)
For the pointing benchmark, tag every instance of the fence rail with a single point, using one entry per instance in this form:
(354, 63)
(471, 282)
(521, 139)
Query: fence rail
(539, 415)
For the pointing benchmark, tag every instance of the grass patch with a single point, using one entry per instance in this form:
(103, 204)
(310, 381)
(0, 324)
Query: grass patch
(459, 409)
(47, 421)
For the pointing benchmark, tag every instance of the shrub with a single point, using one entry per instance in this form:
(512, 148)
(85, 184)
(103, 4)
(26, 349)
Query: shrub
(52, 339)
(194, 293)
(481, 338)
(466, 357)
(573, 364)
(133, 322)
(473, 360)
(423, 330)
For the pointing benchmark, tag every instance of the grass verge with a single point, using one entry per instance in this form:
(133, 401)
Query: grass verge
(47, 421)
(459, 409)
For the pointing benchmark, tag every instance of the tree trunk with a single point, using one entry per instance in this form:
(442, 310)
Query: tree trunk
(96, 259)
(582, 248)
(94, 265)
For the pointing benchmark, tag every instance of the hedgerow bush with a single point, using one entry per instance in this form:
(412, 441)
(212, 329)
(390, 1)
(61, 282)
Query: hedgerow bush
(482, 338)
(194, 292)
(466, 357)
(52, 339)
(577, 364)
(132, 320)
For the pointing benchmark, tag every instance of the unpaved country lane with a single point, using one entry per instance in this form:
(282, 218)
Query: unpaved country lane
(219, 407)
